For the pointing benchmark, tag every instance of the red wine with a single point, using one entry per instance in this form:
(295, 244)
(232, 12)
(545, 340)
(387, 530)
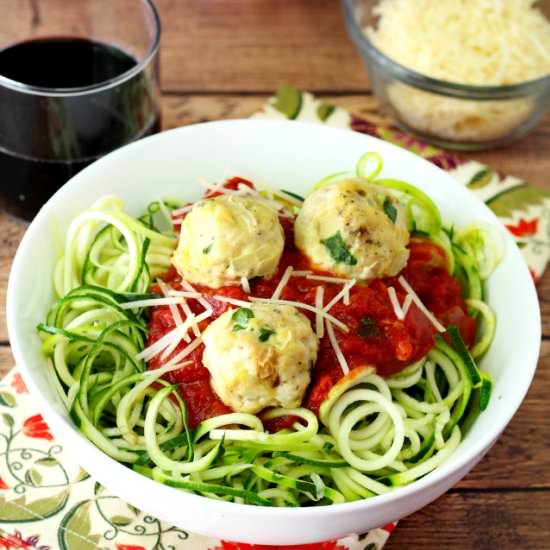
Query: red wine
(46, 138)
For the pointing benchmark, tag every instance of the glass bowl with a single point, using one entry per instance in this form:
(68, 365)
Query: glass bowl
(454, 116)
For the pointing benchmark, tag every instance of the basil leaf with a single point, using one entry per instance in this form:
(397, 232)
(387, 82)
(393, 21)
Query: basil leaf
(338, 249)
(265, 333)
(368, 327)
(390, 209)
(241, 318)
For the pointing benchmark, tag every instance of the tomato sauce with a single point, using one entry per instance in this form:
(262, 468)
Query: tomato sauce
(375, 336)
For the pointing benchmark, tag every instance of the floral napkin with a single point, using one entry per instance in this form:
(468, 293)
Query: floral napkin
(48, 502)
(523, 208)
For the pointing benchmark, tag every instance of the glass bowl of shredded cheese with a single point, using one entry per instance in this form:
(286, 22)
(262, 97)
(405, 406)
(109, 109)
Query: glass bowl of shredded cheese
(463, 74)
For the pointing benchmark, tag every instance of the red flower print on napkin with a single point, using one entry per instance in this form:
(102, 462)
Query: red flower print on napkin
(329, 545)
(3, 484)
(35, 426)
(13, 541)
(524, 228)
(18, 385)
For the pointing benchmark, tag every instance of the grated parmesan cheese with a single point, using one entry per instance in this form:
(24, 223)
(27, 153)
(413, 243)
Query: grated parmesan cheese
(152, 302)
(327, 279)
(282, 283)
(319, 324)
(337, 351)
(473, 42)
(418, 302)
(394, 300)
(336, 322)
(174, 309)
(479, 42)
(346, 288)
(245, 285)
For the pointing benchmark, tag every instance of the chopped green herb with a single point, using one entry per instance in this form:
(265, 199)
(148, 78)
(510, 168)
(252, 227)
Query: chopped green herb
(241, 318)
(390, 209)
(368, 327)
(338, 250)
(265, 333)
(207, 249)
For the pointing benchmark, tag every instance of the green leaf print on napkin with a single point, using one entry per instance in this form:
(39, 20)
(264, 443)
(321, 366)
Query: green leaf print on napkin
(21, 511)
(74, 530)
(520, 197)
(7, 399)
(288, 101)
(324, 110)
(481, 179)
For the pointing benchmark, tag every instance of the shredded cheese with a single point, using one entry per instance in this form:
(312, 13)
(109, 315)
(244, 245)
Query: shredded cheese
(479, 42)
(167, 343)
(319, 322)
(204, 303)
(407, 304)
(418, 302)
(184, 293)
(336, 322)
(395, 303)
(327, 279)
(170, 300)
(340, 295)
(301, 273)
(182, 210)
(282, 283)
(174, 310)
(475, 42)
(184, 353)
(337, 351)
(162, 343)
(189, 313)
(232, 301)
(245, 285)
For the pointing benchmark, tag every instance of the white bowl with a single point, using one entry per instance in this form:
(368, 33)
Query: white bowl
(284, 155)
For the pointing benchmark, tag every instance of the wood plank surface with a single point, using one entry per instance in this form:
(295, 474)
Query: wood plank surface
(475, 520)
(255, 46)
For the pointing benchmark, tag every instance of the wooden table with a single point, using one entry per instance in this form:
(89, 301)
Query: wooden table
(222, 59)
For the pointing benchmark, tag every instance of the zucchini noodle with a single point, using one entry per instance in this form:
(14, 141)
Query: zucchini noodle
(372, 434)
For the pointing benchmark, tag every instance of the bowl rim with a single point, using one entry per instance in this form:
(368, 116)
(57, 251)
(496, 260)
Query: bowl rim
(430, 480)
(431, 84)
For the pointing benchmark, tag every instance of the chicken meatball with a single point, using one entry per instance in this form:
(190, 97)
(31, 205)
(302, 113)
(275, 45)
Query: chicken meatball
(353, 228)
(226, 238)
(260, 356)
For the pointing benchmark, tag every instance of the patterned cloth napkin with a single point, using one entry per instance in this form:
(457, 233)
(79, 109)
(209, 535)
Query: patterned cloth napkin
(48, 502)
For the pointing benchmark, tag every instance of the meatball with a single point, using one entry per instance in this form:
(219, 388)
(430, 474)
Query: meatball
(260, 356)
(353, 228)
(226, 238)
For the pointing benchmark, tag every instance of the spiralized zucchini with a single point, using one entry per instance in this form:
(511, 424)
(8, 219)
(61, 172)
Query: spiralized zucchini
(372, 433)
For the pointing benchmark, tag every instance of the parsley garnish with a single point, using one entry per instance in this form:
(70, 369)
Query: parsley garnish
(368, 327)
(390, 209)
(338, 250)
(241, 318)
(207, 249)
(265, 333)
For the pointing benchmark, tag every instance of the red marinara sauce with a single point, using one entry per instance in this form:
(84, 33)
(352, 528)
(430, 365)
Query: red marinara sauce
(375, 336)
